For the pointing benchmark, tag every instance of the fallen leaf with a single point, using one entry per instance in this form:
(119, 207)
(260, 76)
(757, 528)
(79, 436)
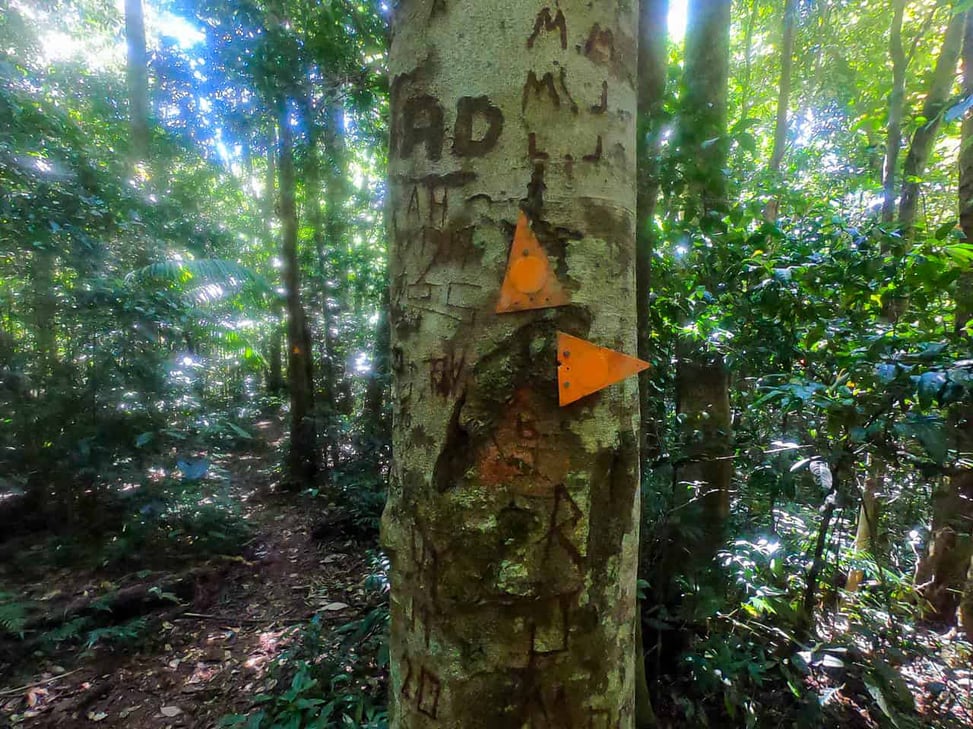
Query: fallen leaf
(170, 711)
(97, 715)
(334, 607)
(125, 713)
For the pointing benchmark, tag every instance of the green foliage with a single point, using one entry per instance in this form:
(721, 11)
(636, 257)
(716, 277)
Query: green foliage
(175, 521)
(13, 614)
(320, 683)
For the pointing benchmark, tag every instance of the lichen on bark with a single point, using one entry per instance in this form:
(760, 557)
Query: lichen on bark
(512, 524)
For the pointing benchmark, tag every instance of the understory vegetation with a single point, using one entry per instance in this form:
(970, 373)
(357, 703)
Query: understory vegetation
(195, 363)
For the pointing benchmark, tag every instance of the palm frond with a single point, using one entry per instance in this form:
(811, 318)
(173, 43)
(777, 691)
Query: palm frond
(203, 281)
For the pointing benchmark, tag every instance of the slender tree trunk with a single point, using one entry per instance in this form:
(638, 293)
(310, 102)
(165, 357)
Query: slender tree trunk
(324, 234)
(702, 125)
(512, 523)
(702, 380)
(937, 97)
(893, 142)
(703, 404)
(45, 310)
(747, 81)
(867, 522)
(783, 104)
(377, 426)
(336, 226)
(138, 81)
(275, 380)
(806, 622)
(270, 186)
(966, 604)
(944, 575)
(653, 69)
(275, 371)
(302, 458)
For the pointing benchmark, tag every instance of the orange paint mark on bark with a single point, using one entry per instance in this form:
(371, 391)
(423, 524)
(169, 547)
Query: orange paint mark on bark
(522, 453)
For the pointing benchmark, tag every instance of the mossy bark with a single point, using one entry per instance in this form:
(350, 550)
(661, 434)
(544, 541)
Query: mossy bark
(512, 523)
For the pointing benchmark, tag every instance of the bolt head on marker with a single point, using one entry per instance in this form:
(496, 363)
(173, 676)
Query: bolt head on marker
(585, 368)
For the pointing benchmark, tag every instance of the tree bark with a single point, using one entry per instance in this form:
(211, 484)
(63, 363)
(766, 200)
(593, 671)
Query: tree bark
(275, 369)
(702, 125)
(702, 380)
(703, 404)
(270, 191)
(867, 522)
(653, 68)
(783, 104)
(325, 234)
(44, 303)
(944, 575)
(302, 457)
(512, 523)
(893, 142)
(937, 97)
(374, 410)
(137, 75)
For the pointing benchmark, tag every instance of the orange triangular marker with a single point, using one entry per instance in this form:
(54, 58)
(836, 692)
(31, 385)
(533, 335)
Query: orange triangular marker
(584, 368)
(530, 282)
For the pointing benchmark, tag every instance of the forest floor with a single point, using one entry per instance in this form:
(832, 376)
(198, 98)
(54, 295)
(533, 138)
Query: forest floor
(209, 653)
(207, 656)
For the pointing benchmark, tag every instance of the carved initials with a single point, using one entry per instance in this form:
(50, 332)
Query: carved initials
(467, 110)
(422, 123)
(547, 22)
(548, 84)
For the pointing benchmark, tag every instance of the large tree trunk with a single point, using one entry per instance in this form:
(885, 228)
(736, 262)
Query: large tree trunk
(783, 104)
(137, 75)
(512, 523)
(937, 97)
(302, 457)
(702, 380)
(893, 141)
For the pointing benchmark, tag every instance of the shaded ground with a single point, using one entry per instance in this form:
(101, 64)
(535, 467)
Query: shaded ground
(206, 656)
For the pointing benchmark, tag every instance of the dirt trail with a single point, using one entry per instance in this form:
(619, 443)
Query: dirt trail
(208, 658)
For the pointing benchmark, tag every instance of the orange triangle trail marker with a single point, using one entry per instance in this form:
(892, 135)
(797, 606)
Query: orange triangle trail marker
(585, 368)
(530, 282)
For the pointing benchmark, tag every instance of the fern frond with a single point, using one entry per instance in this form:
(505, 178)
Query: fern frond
(66, 632)
(13, 617)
